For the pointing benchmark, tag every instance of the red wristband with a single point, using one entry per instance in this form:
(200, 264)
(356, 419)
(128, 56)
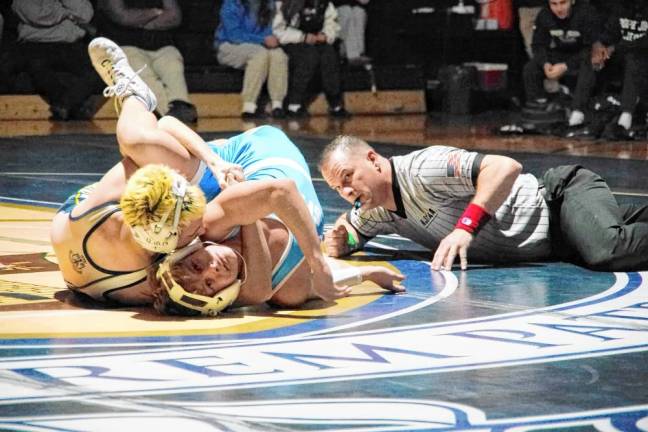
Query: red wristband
(473, 218)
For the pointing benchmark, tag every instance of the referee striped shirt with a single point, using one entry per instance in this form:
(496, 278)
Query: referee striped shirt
(432, 188)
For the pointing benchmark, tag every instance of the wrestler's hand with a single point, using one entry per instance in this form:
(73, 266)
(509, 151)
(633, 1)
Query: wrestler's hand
(226, 173)
(323, 284)
(336, 241)
(455, 243)
(384, 277)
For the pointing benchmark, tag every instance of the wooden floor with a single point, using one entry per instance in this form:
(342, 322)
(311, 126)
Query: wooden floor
(472, 132)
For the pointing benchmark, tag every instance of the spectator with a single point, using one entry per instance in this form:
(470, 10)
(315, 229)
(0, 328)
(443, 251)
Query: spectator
(562, 41)
(51, 36)
(143, 28)
(244, 40)
(624, 41)
(528, 11)
(307, 30)
(353, 22)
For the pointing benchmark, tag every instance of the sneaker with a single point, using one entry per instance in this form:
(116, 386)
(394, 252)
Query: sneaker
(110, 62)
(339, 112)
(300, 113)
(581, 131)
(278, 113)
(615, 132)
(183, 111)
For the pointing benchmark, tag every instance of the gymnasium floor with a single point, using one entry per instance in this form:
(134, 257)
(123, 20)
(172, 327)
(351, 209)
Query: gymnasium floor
(532, 347)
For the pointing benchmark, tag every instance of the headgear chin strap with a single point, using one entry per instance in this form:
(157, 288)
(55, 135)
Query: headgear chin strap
(186, 303)
(159, 236)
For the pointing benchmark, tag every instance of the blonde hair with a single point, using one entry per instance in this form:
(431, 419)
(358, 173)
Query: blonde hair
(149, 196)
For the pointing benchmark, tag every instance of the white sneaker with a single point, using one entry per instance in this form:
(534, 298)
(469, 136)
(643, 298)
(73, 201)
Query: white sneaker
(110, 62)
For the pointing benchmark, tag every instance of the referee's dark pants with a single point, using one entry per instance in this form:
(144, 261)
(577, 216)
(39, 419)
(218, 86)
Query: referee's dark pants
(588, 227)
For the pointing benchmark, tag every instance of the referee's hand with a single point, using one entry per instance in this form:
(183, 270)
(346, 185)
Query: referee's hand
(455, 243)
(336, 242)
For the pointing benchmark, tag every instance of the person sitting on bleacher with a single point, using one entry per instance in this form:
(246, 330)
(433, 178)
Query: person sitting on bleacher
(307, 30)
(51, 37)
(624, 41)
(143, 28)
(244, 40)
(352, 16)
(562, 39)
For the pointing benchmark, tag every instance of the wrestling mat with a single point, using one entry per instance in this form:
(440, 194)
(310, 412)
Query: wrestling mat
(538, 346)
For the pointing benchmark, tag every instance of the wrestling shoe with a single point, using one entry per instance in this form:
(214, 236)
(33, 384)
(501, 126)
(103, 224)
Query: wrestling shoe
(111, 64)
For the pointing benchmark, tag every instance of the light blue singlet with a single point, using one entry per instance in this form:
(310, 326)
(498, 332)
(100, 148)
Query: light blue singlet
(267, 153)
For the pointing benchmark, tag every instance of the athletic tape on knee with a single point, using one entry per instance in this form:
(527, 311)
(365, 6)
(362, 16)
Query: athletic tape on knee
(347, 276)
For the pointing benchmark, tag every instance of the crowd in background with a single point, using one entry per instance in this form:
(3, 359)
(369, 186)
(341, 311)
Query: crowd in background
(580, 49)
(575, 49)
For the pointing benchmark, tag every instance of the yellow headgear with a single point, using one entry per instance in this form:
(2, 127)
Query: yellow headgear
(160, 236)
(186, 303)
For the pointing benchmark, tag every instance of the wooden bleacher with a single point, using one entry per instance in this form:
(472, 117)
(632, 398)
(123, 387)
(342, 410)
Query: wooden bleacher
(214, 88)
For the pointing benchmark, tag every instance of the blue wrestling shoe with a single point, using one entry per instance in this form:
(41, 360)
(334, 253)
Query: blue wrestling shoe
(111, 64)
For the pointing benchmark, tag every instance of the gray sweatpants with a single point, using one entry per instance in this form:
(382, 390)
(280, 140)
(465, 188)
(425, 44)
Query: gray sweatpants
(164, 73)
(260, 64)
(353, 22)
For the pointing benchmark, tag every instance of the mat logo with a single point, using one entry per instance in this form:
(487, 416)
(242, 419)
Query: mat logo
(612, 322)
(25, 263)
(323, 414)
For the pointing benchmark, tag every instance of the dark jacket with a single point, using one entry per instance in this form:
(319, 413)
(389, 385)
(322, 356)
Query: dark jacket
(566, 40)
(125, 27)
(627, 26)
(530, 3)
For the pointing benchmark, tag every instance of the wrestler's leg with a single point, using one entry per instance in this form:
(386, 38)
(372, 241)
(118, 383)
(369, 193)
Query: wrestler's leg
(137, 131)
(140, 138)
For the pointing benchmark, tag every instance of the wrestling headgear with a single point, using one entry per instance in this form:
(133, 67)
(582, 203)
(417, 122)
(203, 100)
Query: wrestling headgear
(182, 302)
(160, 236)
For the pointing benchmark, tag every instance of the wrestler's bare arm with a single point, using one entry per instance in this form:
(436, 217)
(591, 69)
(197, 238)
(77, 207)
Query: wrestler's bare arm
(246, 202)
(194, 143)
(257, 287)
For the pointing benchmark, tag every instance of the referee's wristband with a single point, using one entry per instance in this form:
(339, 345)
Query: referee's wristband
(473, 219)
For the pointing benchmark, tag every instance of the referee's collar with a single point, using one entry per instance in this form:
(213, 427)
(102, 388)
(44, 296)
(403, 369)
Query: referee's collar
(400, 208)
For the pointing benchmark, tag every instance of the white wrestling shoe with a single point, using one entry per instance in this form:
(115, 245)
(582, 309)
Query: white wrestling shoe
(111, 64)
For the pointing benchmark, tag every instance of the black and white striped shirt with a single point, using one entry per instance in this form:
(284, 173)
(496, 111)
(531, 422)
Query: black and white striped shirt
(432, 188)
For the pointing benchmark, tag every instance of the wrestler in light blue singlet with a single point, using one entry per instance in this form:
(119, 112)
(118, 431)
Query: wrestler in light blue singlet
(267, 153)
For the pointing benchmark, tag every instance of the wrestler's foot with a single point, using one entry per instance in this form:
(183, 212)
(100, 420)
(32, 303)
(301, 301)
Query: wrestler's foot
(112, 66)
